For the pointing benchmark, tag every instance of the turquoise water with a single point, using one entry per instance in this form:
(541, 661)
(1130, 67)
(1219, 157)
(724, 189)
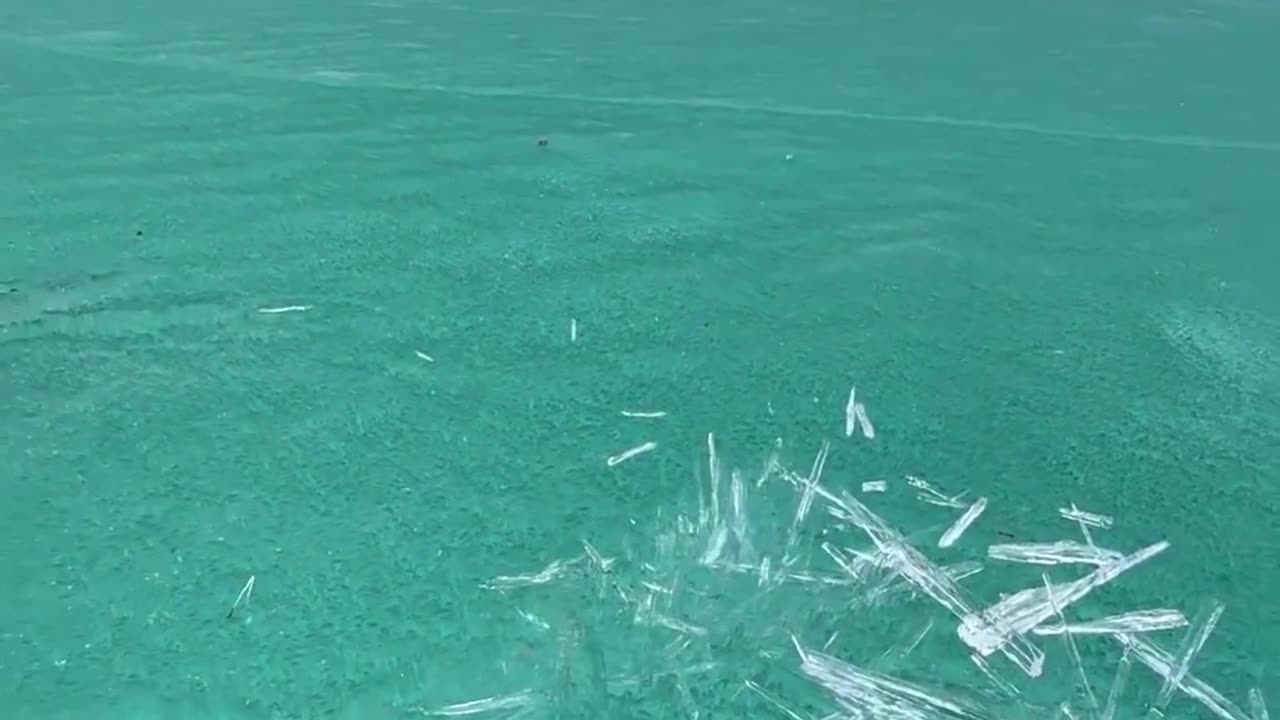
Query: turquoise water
(1040, 240)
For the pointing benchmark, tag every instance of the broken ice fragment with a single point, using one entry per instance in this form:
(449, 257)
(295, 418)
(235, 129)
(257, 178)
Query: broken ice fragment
(713, 468)
(1092, 519)
(773, 701)
(957, 572)
(598, 561)
(810, 485)
(940, 502)
(504, 582)
(932, 495)
(626, 455)
(649, 414)
(968, 518)
(989, 630)
(715, 545)
(918, 639)
(1117, 686)
(1191, 645)
(680, 626)
(860, 414)
(1054, 553)
(850, 412)
(738, 520)
(1000, 683)
(1257, 708)
(931, 580)
(869, 694)
(522, 699)
(1162, 664)
(1072, 651)
(871, 486)
(534, 620)
(1138, 621)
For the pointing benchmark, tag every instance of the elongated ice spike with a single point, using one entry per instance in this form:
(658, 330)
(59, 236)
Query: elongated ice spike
(1072, 650)
(931, 580)
(1075, 514)
(1257, 707)
(713, 471)
(1191, 645)
(810, 486)
(989, 631)
(1163, 664)
(1117, 686)
(962, 524)
(1054, 553)
(1131, 622)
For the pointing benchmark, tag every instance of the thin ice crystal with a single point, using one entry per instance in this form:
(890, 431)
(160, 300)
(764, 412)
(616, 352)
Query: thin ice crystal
(772, 466)
(716, 543)
(1075, 514)
(738, 521)
(1257, 707)
(713, 467)
(1138, 621)
(1072, 651)
(1061, 552)
(860, 414)
(931, 579)
(962, 524)
(1191, 645)
(875, 695)
(554, 570)
(874, 486)
(626, 455)
(998, 682)
(989, 631)
(810, 487)
(932, 495)
(919, 638)
(773, 701)
(957, 572)
(1163, 664)
(850, 412)
(598, 561)
(1117, 686)
(521, 699)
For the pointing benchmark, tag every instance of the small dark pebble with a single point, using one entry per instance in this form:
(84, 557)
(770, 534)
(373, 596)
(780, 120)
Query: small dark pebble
(543, 142)
(138, 233)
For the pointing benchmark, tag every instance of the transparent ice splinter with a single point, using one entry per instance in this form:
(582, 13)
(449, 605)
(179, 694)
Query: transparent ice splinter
(931, 579)
(1163, 664)
(989, 631)
(962, 524)
(874, 695)
(1138, 621)
(1061, 552)
(1075, 514)
(626, 455)
(1192, 643)
(1257, 707)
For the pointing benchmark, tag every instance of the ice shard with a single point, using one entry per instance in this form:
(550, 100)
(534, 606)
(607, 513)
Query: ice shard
(962, 524)
(929, 578)
(1164, 665)
(1192, 643)
(1061, 552)
(989, 631)
(1138, 621)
